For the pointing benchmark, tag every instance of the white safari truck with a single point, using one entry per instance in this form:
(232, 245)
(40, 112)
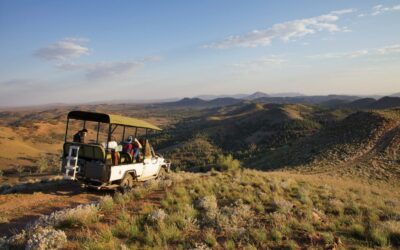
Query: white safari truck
(105, 165)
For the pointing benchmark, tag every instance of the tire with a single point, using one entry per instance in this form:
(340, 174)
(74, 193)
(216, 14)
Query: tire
(126, 183)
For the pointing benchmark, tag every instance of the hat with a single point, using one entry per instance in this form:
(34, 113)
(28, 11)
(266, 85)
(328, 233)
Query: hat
(130, 139)
(84, 130)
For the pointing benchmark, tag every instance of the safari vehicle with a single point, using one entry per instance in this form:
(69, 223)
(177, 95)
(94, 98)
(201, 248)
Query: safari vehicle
(98, 166)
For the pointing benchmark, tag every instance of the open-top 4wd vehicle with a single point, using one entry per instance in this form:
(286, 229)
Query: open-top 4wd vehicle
(107, 165)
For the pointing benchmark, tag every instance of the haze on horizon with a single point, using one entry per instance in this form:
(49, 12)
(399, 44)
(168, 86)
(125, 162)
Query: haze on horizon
(85, 51)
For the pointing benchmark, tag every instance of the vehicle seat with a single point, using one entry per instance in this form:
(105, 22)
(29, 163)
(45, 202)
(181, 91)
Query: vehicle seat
(125, 158)
(86, 151)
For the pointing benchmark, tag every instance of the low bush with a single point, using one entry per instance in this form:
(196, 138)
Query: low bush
(106, 203)
(225, 163)
(46, 238)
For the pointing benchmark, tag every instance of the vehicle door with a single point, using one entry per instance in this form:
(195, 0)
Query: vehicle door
(150, 167)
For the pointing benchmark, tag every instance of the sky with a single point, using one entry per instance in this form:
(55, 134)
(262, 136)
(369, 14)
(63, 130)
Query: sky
(95, 50)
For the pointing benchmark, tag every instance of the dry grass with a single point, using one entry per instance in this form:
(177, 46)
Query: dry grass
(244, 209)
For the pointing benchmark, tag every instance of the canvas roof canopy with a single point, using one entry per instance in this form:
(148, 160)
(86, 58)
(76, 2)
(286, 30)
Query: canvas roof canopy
(111, 119)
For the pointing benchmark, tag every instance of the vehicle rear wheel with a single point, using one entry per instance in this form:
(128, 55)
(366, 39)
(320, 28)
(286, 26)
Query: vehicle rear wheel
(126, 183)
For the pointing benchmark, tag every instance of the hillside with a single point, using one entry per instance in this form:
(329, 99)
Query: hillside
(222, 210)
(245, 129)
(363, 144)
(262, 135)
(325, 179)
(294, 137)
(386, 102)
(32, 136)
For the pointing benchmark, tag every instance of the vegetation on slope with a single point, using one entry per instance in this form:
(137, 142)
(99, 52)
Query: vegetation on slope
(361, 139)
(240, 128)
(245, 209)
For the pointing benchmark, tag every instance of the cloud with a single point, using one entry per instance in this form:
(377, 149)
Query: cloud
(19, 85)
(284, 31)
(344, 11)
(67, 48)
(349, 55)
(16, 82)
(387, 50)
(261, 62)
(391, 49)
(108, 70)
(64, 51)
(380, 9)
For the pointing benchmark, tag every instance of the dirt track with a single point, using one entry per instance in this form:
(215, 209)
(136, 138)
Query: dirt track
(25, 206)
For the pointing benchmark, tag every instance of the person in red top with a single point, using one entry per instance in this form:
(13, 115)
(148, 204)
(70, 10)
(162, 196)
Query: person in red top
(128, 147)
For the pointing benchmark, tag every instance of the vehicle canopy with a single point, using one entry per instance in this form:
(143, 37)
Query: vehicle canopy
(111, 119)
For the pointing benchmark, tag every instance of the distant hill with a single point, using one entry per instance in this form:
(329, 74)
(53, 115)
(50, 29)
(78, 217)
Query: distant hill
(260, 97)
(307, 99)
(371, 103)
(386, 102)
(188, 102)
(253, 96)
(212, 97)
(361, 103)
(200, 103)
(396, 94)
(256, 95)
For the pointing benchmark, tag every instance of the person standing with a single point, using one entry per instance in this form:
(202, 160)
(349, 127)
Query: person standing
(80, 136)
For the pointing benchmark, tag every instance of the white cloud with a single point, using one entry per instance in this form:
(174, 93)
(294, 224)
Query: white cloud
(108, 70)
(261, 62)
(380, 9)
(64, 49)
(352, 54)
(387, 50)
(391, 49)
(344, 11)
(285, 31)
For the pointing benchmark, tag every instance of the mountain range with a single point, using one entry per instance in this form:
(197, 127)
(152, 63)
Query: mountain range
(328, 101)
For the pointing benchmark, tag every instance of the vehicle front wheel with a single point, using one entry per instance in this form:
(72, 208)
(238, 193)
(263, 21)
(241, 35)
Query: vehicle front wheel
(126, 183)
(161, 174)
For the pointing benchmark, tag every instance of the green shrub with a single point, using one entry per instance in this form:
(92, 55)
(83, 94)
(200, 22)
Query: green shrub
(225, 163)
(291, 245)
(106, 203)
(230, 244)
(351, 209)
(276, 235)
(120, 198)
(209, 238)
(358, 231)
(258, 234)
(121, 229)
(327, 237)
(378, 237)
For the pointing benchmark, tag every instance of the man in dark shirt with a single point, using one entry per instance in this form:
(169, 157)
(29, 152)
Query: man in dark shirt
(80, 136)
